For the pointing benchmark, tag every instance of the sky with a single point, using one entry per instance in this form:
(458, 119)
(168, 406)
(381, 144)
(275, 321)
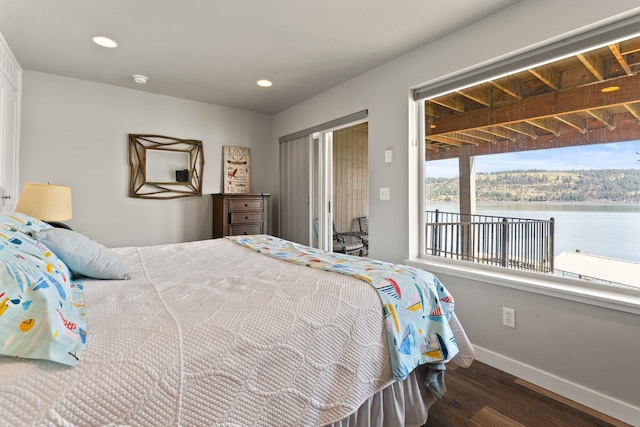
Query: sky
(619, 155)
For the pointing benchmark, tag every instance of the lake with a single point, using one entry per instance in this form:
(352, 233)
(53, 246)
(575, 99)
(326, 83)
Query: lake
(610, 230)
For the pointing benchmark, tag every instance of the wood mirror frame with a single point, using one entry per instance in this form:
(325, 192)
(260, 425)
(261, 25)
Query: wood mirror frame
(142, 187)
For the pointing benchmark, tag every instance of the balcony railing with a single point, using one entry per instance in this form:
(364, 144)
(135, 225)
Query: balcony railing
(524, 244)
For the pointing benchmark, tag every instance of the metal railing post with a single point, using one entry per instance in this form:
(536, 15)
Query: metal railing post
(551, 250)
(505, 241)
(435, 235)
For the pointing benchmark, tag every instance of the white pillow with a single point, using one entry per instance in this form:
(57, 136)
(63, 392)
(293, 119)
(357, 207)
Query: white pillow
(82, 255)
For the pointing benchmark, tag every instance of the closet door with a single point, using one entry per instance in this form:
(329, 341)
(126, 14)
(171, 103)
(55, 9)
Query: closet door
(10, 90)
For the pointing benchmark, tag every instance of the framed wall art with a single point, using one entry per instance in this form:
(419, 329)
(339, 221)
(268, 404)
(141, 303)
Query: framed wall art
(163, 167)
(236, 166)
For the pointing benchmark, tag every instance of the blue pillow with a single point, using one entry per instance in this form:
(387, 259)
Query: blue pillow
(41, 308)
(82, 255)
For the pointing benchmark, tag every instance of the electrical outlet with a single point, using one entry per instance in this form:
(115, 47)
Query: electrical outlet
(509, 317)
(385, 194)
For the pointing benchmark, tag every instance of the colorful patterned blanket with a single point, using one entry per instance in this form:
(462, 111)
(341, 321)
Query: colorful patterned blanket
(416, 306)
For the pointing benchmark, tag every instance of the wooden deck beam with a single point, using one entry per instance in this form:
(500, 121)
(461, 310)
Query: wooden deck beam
(576, 100)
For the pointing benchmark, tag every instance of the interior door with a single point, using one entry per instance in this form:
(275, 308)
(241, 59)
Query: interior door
(9, 127)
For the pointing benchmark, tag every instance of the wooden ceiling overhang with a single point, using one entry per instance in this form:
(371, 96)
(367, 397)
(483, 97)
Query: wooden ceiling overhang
(590, 98)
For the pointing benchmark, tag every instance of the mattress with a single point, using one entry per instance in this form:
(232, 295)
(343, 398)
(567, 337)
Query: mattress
(211, 333)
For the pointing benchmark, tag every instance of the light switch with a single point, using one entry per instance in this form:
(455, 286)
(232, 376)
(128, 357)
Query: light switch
(388, 156)
(385, 194)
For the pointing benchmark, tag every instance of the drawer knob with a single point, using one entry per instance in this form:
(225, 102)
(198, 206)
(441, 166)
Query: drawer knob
(246, 217)
(246, 204)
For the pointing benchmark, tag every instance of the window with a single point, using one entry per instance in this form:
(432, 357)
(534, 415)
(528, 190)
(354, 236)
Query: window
(523, 169)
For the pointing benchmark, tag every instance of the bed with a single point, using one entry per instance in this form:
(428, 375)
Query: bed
(224, 332)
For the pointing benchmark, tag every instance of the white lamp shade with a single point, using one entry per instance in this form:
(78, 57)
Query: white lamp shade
(45, 202)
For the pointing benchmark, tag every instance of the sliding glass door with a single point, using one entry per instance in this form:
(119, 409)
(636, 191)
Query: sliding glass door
(320, 174)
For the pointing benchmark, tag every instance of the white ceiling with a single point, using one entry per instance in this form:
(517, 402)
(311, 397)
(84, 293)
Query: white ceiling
(214, 51)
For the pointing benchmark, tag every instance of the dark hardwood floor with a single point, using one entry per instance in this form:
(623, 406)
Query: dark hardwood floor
(482, 396)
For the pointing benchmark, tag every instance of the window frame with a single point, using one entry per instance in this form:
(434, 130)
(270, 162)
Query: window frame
(615, 297)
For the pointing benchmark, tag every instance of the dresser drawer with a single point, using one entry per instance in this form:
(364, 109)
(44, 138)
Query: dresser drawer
(240, 214)
(244, 205)
(246, 218)
(239, 230)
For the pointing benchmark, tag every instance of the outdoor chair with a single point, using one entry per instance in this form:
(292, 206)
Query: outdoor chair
(344, 243)
(362, 235)
(363, 224)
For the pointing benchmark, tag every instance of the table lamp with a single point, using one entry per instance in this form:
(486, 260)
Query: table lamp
(46, 202)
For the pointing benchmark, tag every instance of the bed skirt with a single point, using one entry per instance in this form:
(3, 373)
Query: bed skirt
(407, 403)
(403, 403)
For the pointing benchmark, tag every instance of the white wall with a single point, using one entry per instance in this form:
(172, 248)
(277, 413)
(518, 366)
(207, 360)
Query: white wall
(385, 92)
(75, 133)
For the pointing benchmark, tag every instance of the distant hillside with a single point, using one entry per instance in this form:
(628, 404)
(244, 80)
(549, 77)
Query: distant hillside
(603, 185)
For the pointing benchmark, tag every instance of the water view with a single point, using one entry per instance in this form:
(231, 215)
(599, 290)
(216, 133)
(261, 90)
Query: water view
(610, 230)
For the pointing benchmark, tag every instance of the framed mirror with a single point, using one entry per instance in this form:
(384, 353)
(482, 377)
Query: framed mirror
(162, 167)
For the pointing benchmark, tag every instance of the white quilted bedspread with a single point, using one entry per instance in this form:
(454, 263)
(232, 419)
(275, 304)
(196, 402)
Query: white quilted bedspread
(210, 333)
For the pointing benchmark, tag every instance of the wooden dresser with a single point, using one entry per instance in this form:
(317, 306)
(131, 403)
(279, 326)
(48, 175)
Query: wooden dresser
(236, 214)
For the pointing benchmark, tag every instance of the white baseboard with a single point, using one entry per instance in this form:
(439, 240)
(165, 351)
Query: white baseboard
(605, 404)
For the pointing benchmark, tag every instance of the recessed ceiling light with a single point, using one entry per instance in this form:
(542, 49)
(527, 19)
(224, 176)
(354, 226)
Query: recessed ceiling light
(264, 83)
(610, 89)
(104, 41)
